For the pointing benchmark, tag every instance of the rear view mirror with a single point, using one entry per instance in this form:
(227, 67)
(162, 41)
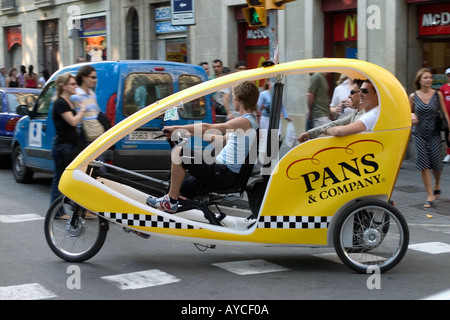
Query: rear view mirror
(22, 110)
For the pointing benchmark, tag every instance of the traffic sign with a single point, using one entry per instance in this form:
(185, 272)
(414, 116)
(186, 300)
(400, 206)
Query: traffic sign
(183, 12)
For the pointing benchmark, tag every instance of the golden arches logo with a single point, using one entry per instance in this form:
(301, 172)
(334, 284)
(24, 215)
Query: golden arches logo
(350, 25)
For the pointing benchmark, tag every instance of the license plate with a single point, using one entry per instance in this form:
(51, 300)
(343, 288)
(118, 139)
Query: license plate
(145, 135)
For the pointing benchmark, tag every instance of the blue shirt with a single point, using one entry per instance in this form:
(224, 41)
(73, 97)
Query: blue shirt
(265, 102)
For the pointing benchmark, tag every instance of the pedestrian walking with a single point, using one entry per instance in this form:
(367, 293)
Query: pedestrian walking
(205, 66)
(340, 103)
(426, 103)
(318, 100)
(445, 90)
(221, 99)
(31, 78)
(12, 81)
(358, 112)
(21, 76)
(45, 76)
(2, 77)
(66, 121)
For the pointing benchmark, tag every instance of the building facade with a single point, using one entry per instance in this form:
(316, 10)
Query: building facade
(400, 35)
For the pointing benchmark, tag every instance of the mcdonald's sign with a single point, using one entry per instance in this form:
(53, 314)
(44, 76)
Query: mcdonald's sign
(345, 27)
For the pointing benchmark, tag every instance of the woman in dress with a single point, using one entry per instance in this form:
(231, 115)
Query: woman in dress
(425, 106)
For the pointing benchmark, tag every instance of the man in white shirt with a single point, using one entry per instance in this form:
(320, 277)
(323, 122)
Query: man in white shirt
(368, 98)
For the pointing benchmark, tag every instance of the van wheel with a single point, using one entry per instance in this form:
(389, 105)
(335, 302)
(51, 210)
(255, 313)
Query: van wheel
(21, 172)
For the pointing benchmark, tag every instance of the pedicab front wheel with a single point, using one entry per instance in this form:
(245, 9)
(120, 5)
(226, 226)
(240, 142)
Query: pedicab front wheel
(72, 233)
(370, 235)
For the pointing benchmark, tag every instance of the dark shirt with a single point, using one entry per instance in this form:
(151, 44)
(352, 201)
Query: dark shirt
(65, 133)
(14, 84)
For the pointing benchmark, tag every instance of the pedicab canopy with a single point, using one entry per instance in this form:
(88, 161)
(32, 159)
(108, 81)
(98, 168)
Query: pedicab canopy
(313, 182)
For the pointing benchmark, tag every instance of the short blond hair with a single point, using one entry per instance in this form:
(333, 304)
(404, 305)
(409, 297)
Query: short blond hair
(248, 93)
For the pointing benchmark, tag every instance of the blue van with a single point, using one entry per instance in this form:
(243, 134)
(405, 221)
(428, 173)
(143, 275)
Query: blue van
(123, 88)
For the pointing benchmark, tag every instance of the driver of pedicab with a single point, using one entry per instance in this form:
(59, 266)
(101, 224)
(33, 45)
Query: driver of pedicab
(368, 99)
(237, 135)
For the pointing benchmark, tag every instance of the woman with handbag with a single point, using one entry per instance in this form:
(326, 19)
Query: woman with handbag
(66, 120)
(86, 98)
(426, 106)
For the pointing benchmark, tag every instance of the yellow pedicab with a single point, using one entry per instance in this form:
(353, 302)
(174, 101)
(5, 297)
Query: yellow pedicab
(336, 191)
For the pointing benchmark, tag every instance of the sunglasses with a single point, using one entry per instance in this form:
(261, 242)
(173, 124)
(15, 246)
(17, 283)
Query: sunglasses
(93, 77)
(364, 91)
(353, 92)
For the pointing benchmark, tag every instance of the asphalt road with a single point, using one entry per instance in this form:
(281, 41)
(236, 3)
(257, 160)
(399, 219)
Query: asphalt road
(131, 268)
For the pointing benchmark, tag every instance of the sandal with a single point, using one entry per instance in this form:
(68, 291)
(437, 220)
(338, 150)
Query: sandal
(437, 193)
(428, 204)
(63, 217)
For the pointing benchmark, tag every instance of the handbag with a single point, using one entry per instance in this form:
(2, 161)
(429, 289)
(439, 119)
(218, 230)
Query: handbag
(92, 127)
(441, 122)
(103, 119)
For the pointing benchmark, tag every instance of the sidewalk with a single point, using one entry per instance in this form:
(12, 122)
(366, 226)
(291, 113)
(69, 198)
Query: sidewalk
(410, 195)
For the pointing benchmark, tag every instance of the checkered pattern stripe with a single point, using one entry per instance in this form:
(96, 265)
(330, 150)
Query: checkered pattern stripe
(293, 222)
(148, 221)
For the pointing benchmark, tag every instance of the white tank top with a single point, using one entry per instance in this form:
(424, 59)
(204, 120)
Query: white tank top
(238, 146)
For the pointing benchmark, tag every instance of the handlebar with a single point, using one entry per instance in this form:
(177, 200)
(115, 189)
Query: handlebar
(177, 138)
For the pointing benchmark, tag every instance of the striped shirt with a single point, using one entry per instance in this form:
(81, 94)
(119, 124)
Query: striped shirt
(88, 101)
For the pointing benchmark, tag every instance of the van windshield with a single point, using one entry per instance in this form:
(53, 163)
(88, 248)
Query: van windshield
(44, 102)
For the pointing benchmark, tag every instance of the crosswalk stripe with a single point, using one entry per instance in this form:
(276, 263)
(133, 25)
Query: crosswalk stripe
(250, 267)
(431, 247)
(33, 291)
(20, 218)
(141, 280)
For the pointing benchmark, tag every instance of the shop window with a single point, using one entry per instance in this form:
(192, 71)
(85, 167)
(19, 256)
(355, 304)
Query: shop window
(176, 50)
(143, 89)
(93, 33)
(436, 55)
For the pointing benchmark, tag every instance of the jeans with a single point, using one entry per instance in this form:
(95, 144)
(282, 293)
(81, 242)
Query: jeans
(63, 154)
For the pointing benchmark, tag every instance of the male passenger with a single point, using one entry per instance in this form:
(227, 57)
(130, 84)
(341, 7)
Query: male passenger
(369, 101)
(356, 114)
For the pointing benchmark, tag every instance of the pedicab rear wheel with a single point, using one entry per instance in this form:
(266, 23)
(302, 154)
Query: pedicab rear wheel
(77, 239)
(370, 235)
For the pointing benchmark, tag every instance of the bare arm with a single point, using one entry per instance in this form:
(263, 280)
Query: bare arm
(71, 119)
(414, 118)
(200, 128)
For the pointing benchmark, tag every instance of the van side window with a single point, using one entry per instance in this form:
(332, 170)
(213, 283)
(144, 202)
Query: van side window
(143, 89)
(195, 109)
(45, 101)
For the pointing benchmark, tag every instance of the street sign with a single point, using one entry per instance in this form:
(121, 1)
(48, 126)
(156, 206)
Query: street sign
(183, 12)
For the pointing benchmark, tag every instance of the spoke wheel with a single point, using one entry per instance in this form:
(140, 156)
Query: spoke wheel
(77, 239)
(371, 234)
